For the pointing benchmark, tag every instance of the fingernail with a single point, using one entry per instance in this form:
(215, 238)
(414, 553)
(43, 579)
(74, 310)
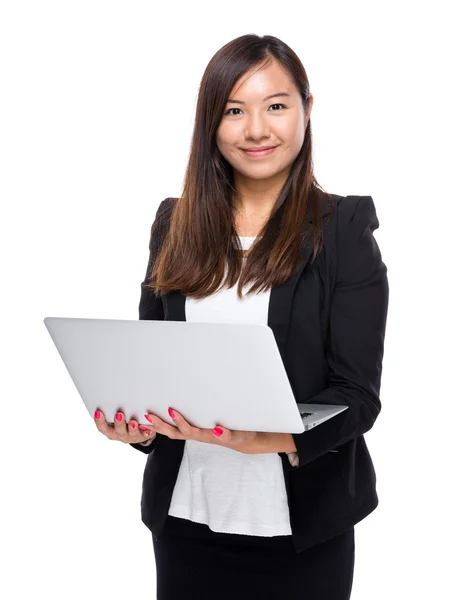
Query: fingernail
(132, 425)
(218, 431)
(171, 413)
(97, 414)
(144, 427)
(148, 419)
(119, 417)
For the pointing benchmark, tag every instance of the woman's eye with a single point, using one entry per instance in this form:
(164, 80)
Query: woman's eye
(227, 112)
(283, 105)
(277, 104)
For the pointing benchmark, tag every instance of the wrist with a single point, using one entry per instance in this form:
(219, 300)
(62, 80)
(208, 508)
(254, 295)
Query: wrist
(271, 442)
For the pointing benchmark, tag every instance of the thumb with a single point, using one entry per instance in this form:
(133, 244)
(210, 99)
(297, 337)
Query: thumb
(221, 432)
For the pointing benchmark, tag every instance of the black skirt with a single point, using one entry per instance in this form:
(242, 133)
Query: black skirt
(195, 563)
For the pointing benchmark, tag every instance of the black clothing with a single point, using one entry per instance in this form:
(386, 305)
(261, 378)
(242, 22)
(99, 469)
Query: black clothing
(329, 322)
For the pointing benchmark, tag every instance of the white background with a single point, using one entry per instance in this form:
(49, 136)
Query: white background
(97, 104)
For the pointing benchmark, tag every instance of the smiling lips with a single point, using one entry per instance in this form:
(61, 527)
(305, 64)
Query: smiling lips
(263, 151)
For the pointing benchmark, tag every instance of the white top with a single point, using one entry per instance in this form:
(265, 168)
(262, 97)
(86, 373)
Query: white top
(230, 491)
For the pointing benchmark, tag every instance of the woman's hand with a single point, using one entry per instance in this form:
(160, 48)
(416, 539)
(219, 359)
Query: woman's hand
(119, 430)
(247, 442)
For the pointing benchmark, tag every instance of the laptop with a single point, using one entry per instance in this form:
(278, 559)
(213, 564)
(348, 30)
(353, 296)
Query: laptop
(228, 374)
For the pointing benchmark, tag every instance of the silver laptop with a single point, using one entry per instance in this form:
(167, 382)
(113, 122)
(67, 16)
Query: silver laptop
(212, 373)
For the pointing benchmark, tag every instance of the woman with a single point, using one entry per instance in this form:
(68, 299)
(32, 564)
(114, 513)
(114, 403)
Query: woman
(253, 238)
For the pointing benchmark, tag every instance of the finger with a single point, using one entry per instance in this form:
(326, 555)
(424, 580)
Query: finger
(134, 432)
(148, 435)
(189, 431)
(121, 430)
(161, 426)
(102, 425)
(145, 431)
(148, 429)
(222, 434)
(184, 426)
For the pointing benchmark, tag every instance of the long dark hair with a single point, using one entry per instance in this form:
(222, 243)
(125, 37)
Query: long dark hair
(202, 243)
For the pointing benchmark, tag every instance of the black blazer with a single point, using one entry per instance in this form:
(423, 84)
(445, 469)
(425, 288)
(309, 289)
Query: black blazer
(329, 322)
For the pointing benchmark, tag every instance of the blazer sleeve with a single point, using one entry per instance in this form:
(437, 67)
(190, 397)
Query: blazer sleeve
(150, 307)
(357, 322)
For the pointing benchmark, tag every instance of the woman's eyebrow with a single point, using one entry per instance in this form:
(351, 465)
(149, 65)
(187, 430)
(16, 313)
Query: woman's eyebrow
(266, 98)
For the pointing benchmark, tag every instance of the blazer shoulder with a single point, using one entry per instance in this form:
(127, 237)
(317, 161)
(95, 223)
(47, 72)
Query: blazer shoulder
(169, 202)
(162, 217)
(351, 218)
(350, 208)
(161, 223)
(165, 207)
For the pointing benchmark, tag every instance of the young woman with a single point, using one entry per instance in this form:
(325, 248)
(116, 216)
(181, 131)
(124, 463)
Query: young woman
(254, 239)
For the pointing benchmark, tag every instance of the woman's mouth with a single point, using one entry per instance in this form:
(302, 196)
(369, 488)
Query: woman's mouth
(262, 152)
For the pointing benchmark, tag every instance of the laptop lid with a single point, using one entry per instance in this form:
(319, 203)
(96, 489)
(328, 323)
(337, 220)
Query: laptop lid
(213, 373)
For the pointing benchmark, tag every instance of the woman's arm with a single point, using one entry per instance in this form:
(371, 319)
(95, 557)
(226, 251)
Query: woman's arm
(358, 315)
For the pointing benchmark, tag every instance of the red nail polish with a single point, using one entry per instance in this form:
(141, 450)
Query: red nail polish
(144, 427)
(97, 414)
(148, 419)
(218, 431)
(171, 413)
(132, 425)
(119, 417)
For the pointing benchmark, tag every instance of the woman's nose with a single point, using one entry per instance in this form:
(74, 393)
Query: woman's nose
(256, 128)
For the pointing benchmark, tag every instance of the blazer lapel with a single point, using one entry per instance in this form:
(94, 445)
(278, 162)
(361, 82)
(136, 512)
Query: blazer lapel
(281, 299)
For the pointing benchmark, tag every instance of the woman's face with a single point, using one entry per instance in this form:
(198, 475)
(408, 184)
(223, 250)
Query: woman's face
(253, 120)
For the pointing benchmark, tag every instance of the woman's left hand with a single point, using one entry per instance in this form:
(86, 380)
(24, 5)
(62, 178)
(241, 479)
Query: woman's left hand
(247, 442)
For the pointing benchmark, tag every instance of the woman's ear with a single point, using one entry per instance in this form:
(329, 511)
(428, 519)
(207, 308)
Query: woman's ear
(309, 109)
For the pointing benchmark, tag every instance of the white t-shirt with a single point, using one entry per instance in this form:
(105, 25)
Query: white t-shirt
(230, 491)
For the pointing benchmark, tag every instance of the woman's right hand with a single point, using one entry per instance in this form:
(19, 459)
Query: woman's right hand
(120, 431)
